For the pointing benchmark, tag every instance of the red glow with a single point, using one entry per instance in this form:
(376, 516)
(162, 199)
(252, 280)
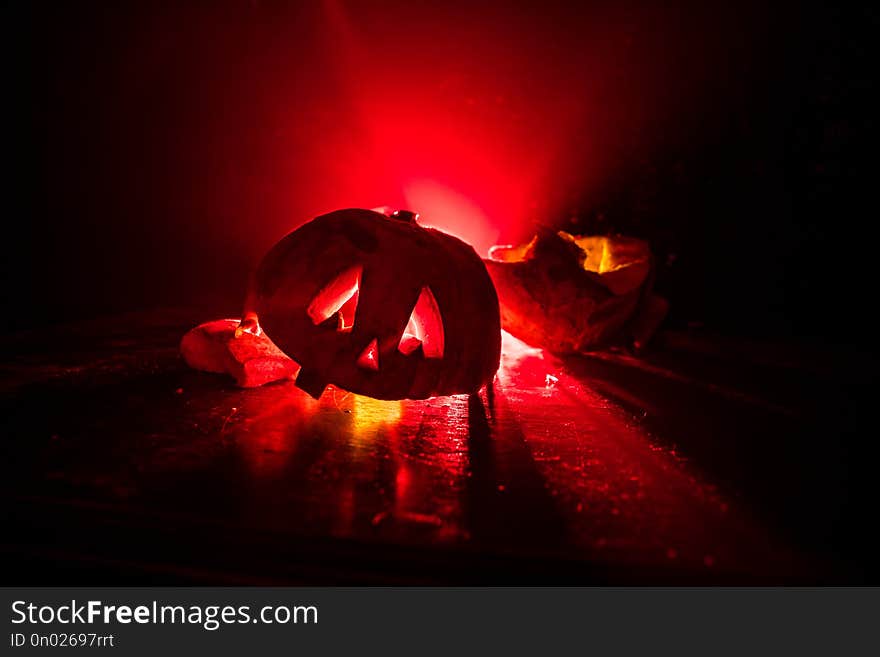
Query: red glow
(459, 136)
(487, 118)
(452, 212)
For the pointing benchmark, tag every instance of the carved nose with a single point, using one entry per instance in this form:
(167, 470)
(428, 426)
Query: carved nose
(369, 358)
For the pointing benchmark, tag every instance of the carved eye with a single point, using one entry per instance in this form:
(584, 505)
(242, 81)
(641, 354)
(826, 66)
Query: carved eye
(336, 305)
(340, 298)
(425, 328)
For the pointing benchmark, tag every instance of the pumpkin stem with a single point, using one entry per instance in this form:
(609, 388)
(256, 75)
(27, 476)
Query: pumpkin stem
(407, 216)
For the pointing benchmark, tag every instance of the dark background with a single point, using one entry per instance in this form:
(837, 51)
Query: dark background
(172, 143)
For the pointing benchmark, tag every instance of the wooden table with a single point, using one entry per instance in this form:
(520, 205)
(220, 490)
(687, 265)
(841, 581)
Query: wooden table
(120, 465)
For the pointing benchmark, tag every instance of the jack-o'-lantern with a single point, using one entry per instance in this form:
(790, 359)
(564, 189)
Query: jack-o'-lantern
(577, 293)
(380, 306)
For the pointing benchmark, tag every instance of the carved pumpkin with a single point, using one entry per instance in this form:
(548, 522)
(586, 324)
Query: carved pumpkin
(380, 306)
(576, 293)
